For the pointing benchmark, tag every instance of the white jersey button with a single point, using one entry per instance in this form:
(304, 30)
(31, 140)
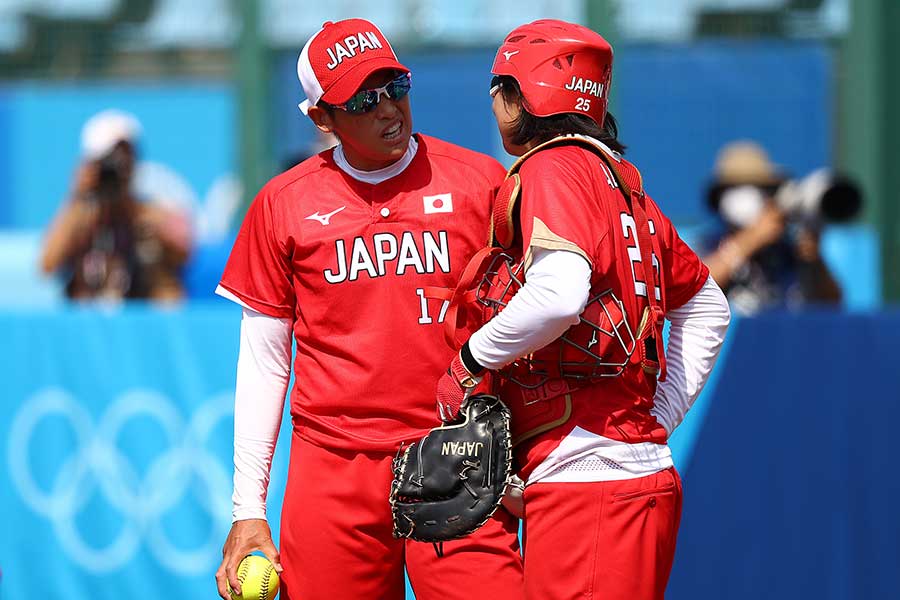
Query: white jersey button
(385, 212)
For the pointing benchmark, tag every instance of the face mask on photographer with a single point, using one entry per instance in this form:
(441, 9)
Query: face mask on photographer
(740, 206)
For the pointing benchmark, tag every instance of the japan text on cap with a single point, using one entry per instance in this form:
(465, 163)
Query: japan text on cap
(339, 57)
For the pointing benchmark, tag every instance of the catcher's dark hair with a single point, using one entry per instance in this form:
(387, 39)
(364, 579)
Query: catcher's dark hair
(530, 128)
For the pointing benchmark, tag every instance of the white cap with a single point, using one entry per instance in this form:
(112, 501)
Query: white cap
(104, 130)
(308, 80)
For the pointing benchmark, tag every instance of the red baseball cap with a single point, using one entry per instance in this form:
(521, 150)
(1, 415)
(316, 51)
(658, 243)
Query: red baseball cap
(339, 57)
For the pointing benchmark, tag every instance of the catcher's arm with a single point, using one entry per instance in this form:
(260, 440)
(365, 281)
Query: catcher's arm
(695, 339)
(457, 384)
(554, 295)
(556, 290)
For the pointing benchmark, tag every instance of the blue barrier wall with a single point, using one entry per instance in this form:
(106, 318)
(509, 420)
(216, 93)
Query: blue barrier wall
(116, 470)
(115, 457)
(790, 489)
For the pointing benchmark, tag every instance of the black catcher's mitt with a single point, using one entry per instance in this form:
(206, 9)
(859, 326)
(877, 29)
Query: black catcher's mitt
(449, 483)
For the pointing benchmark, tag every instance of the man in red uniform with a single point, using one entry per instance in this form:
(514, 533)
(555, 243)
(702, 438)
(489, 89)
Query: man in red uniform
(338, 251)
(595, 266)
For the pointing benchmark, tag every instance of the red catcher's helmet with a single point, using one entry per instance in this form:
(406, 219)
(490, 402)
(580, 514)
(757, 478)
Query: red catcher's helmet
(561, 67)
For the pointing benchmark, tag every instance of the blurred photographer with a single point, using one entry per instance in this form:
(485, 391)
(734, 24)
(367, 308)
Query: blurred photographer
(767, 254)
(104, 241)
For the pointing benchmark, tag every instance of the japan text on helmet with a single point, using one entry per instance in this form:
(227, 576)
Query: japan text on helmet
(560, 67)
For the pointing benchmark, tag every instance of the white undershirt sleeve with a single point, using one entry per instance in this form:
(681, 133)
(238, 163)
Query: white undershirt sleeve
(555, 293)
(695, 339)
(263, 373)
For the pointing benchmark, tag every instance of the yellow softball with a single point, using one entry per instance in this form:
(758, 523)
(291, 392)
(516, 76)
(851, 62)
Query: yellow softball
(258, 578)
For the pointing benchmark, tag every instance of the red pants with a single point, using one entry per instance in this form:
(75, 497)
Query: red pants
(610, 540)
(336, 538)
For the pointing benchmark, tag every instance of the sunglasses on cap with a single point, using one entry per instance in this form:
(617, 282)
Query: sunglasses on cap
(365, 101)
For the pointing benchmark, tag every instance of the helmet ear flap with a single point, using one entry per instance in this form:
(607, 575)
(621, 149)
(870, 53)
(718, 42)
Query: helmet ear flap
(504, 210)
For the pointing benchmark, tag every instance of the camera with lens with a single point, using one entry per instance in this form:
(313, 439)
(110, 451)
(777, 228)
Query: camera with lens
(112, 177)
(820, 198)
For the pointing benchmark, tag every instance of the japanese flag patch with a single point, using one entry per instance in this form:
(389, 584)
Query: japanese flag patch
(440, 203)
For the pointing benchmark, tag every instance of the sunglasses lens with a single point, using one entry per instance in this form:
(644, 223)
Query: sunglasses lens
(399, 88)
(361, 102)
(365, 100)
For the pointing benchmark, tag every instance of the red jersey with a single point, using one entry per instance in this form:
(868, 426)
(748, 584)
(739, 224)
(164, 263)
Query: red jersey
(348, 262)
(571, 200)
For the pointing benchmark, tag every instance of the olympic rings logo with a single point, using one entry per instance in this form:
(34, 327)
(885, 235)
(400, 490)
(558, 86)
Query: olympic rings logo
(143, 500)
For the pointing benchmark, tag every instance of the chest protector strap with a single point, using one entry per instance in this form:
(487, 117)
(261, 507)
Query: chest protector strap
(505, 233)
(463, 297)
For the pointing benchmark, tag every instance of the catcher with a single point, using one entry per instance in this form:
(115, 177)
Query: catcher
(592, 268)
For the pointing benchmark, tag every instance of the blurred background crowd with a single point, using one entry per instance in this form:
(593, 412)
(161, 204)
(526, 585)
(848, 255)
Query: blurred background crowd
(134, 134)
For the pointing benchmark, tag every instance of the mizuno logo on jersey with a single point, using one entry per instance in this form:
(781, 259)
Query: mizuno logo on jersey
(579, 84)
(324, 219)
(353, 45)
(440, 203)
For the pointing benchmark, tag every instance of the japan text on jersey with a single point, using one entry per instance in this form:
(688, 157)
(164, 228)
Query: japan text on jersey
(386, 254)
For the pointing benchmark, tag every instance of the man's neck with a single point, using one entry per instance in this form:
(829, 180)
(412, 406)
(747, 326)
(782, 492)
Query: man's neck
(378, 175)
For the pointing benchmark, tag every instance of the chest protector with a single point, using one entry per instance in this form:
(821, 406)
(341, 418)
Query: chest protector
(603, 343)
